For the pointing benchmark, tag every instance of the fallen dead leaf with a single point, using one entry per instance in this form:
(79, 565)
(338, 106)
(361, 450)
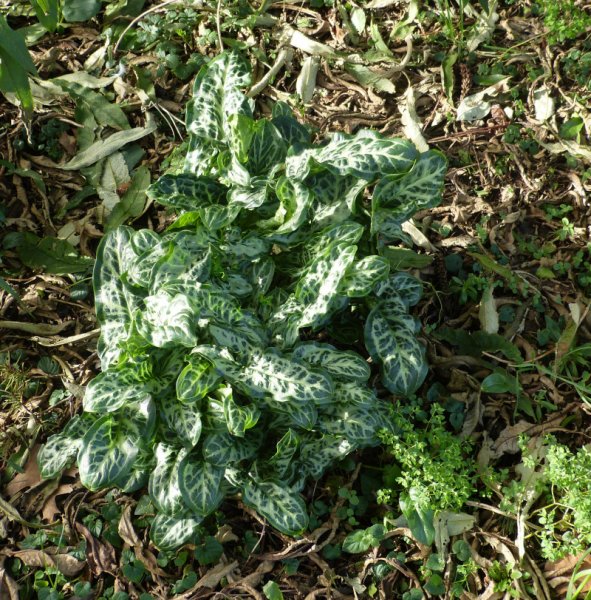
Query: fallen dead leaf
(28, 478)
(68, 565)
(9, 589)
(50, 509)
(507, 442)
(126, 530)
(101, 556)
(212, 578)
(558, 573)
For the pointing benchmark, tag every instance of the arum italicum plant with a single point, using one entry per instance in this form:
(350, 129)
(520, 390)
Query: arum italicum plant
(214, 380)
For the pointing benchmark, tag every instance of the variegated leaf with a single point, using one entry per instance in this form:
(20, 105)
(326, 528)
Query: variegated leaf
(317, 453)
(115, 303)
(284, 508)
(217, 95)
(238, 418)
(163, 486)
(294, 413)
(56, 454)
(329, 188)
(106, 454)
(196, 380)
(261, 276)
(223, 449)
(250, 196)
(200, 484)
(390, 339)
(184, 263)
(234, 284)
(342, 365)
(133, 481)
(144, 240)
(139, 475)
(365, 156)
(267, 148)
(212, 303)
(315, 291)
(138, 419)
(233, 340)
(285, 451)
(402, 285)
(418, 189)
(351, 394)
(363, 275)
(112, 389)
(248, 248)
(284, 380)
(217, 217)
(169, 533)
(358, 424)
(294, 203)
(168, 321)
(349, 232)
(184, 420)
(186, 191)
(291, 130)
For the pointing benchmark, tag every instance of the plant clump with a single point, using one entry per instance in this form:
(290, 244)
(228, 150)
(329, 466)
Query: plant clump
(234, 345)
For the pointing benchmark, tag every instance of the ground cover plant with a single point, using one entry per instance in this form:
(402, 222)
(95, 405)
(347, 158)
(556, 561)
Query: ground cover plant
(217, 375)
(479, 486)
